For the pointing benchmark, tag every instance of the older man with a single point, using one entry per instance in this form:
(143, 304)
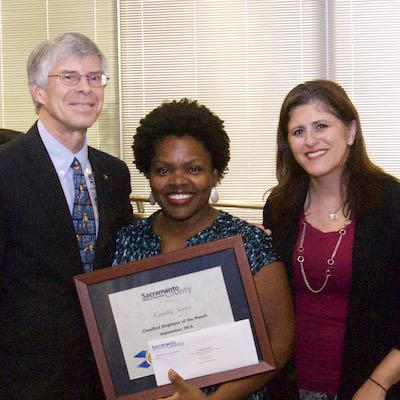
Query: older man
(61, 202)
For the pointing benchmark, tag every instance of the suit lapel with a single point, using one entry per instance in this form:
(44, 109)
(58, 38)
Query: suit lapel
(46, 185)
(102, 194)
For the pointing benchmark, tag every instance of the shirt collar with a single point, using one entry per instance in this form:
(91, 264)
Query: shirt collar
(60, 155)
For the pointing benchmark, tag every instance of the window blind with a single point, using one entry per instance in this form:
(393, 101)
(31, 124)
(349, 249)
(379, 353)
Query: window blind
(23, 25)
(239, 58)
(367, 55)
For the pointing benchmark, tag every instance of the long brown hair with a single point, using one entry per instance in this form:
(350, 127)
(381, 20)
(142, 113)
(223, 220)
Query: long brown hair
(361, 180)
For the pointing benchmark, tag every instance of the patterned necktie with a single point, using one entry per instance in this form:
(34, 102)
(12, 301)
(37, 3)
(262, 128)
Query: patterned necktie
(83, 218)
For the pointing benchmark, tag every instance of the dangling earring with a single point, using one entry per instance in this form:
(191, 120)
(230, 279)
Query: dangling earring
(152, 200)
(214, 196)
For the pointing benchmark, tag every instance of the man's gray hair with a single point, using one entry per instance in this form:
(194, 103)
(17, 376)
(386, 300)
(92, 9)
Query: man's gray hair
(42, 59)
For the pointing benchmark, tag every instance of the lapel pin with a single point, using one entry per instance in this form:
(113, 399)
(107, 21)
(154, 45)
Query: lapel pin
(105, 177)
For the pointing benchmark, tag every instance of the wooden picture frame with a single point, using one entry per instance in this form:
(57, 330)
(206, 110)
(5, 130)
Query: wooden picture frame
(94, 289)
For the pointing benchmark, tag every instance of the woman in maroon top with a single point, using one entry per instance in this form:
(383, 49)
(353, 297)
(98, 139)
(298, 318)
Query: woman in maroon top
(335, 220)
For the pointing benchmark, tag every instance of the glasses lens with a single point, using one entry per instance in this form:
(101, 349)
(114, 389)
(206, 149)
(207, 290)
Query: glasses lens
(96, 79)
(104, 80)
(70, 78)
(101, 80)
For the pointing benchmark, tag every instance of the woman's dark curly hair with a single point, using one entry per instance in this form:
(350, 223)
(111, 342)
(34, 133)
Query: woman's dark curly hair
(181, 118)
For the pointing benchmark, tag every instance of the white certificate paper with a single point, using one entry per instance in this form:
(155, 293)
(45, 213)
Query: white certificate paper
(167, 308)
(204, 352)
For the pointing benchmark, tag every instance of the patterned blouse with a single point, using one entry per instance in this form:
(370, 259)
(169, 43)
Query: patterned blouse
(138, 241)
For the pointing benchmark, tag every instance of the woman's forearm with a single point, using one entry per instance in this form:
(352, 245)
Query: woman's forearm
(387, 373)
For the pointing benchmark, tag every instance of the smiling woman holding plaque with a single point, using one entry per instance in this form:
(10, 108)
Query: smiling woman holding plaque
(183, 150)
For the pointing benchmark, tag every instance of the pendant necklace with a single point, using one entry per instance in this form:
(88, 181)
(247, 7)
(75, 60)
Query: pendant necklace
(330, 262)
(332, 215)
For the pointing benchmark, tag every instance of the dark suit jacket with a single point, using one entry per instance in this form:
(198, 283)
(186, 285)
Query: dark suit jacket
(44, 347)
(8, 134)
(373, 320)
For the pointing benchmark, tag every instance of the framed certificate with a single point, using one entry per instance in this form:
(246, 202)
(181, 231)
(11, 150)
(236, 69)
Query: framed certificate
(195, 310)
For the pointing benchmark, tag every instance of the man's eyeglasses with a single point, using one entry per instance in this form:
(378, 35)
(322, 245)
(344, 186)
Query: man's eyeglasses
(96, 79)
